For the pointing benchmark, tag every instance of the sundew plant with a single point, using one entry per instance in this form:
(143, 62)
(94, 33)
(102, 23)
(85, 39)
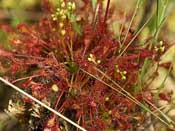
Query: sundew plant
(72, 71)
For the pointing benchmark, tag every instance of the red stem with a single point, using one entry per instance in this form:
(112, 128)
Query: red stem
(106, 13)
(58, 100)
(29, 77)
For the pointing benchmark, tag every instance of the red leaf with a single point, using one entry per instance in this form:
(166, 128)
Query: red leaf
(6, 28)
(5, 53)
(166, 65)
(165, 96)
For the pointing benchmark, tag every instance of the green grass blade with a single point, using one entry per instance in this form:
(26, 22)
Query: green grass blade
(139, 103)
(135, 36)
(94, 3)
(126, 94)
(141, 76)
(163, 82)
(132, 19)
(162, 113)
(160, 17)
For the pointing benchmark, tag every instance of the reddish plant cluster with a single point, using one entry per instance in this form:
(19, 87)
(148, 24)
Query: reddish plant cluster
(61, 65)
